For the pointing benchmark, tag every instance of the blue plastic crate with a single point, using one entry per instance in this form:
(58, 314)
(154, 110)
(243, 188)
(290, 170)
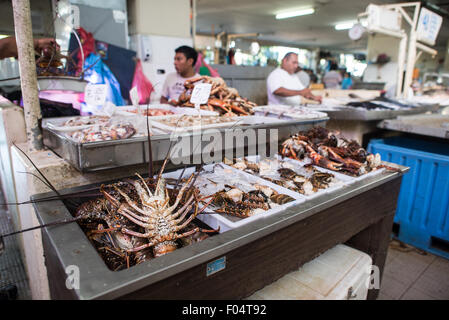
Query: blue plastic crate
(422, 213)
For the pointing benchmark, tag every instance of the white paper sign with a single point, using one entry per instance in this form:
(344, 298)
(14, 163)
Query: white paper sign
(201, 93)
(134, 96)
(429, 25)
(95, 94)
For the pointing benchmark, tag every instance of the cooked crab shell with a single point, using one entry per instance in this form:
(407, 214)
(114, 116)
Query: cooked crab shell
(240, 165)
(281, 198)
(235, 195)
(299, 179)
(307, 187)
(266, 190)
(373, 160)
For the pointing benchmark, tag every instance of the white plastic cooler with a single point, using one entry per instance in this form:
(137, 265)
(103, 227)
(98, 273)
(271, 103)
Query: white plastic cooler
(341, 273)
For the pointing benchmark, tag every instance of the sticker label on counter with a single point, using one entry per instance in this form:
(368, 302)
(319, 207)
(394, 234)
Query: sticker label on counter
(216, 266)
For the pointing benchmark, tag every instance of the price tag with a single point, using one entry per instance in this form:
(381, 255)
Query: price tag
(201, 93)
(95, 94)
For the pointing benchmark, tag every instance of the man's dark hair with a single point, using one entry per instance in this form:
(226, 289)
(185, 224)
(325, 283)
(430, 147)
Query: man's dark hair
(288, 55)
(333, 66)
(189, 53)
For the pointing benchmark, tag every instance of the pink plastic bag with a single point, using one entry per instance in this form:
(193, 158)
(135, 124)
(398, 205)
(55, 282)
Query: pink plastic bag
(144, 86)
(200, 62)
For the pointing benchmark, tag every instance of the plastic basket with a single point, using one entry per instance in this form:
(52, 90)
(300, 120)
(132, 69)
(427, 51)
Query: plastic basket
(422, 214)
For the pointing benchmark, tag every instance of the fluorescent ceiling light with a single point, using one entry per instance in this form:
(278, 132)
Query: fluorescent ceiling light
(349, 24)
(344, 25)
(296, 13)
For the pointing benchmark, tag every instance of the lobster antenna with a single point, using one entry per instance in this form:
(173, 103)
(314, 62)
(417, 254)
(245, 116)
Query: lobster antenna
(37, 177)
(52, 198)
(150, 150)
(180, 176)
(41, 226)
(37, 169)
(165, 162)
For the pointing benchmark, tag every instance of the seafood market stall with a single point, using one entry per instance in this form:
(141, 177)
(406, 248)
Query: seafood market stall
(221, 224)
(360, 214)
(254, 220)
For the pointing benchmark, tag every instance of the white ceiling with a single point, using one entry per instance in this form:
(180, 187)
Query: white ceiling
(258, 16)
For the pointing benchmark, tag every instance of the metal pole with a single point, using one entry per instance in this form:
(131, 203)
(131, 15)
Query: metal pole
(401, 63)
(28, 76)
(194, 23)
(411, 58)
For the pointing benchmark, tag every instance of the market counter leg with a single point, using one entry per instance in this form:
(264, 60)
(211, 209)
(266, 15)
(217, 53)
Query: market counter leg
(374, 241)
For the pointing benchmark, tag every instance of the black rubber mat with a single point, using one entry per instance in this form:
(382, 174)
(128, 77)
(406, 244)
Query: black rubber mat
(12, 269)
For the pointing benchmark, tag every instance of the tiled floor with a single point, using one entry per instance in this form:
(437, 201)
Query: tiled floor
(411, 274)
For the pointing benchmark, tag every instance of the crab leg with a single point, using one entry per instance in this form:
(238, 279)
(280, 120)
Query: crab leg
(130, 202)
(114, 201)
(182, 226)
(180, 211)
(123, 212)
(145, 184)
(293, 153)
(178, 198)
(146, 219)
(138, 234)
(320, 160)
(238, 109)
(147, 245)
(103, 230)
(177, 221)
(144, 198)
(193, 231)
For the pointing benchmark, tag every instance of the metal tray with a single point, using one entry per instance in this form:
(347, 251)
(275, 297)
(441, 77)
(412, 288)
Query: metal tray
(94, 156)
(67, 245)
(434, 125)
(373, 115)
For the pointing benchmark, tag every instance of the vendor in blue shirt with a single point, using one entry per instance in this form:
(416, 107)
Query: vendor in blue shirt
(347, 81)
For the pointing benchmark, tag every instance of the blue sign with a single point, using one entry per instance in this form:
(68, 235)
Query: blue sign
(216, 266)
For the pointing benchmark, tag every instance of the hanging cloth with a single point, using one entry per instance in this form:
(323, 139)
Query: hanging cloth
(144, 86)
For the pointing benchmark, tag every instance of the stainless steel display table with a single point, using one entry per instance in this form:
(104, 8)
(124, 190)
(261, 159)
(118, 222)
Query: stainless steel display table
(94, 156)
(432, 125)
(354, 123)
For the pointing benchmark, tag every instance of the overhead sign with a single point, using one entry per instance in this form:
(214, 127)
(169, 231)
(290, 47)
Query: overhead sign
(429, 25)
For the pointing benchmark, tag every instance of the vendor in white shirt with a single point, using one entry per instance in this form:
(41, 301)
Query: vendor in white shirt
(284, 87)
(185, 59)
